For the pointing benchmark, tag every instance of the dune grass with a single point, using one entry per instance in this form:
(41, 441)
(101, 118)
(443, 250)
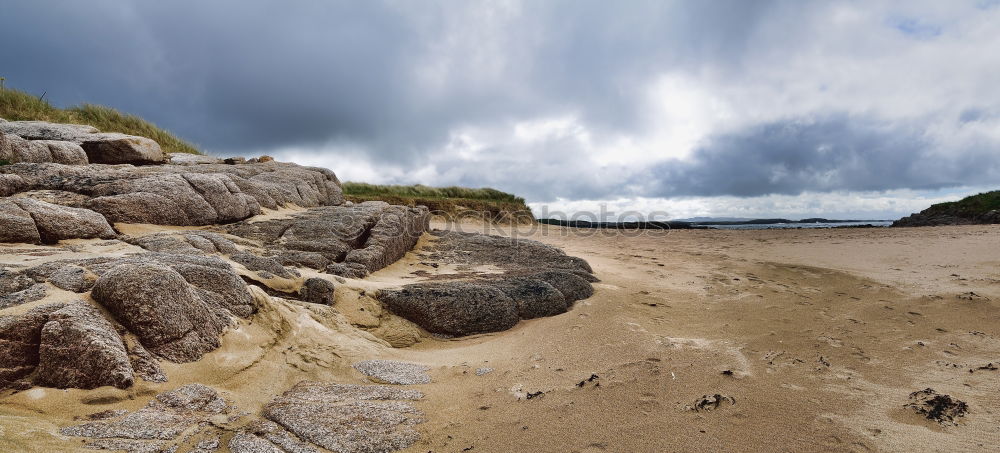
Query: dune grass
(422, 191)
(452, 202)
(16, 105)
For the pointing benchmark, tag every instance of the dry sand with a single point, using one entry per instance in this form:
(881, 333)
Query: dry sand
(814, 337)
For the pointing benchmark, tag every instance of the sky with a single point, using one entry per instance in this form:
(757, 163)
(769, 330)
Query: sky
(742, 108)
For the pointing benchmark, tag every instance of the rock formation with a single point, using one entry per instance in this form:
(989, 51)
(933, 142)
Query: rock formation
(94, 295)
(94, 146)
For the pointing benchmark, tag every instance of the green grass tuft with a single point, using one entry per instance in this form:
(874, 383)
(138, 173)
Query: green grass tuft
(16, 105)
(422, 191)
(487, 204)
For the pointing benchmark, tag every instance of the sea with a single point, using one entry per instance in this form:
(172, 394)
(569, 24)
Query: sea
(772, 226)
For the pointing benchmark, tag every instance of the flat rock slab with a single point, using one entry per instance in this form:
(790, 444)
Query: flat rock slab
(177, 194)
(197, 418)
(348, 418)
(158, 425)
(393, 372)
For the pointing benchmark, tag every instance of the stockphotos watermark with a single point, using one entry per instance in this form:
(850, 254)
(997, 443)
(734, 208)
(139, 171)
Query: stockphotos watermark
(577, 223)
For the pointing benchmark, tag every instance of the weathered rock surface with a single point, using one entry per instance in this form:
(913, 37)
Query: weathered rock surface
(394, 372)
(534, 298)
(114, 148)
(318, 291)
(79, 348)
(156, 303)
(51, 223)
(100, 148)
(177, 307)
(20, 338)
(191, 159)
(195, 417)
(179, 194)
(41, 130)
(158, 425)
(453, 308)
(536, 280)
(267, 436)
(348, 417)
(350, 241)
(15, 149)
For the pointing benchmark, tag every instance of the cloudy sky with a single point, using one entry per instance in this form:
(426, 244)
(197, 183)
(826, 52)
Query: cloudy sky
(724, 108)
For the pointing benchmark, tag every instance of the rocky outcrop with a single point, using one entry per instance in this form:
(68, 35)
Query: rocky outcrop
(191, 159)
(536, 280)
(34, 221)
(79, 348)
(172, 306)
(99, 148)
(178, 194)
(155, 303)
(453, 308)
(318, 291)
(171, 295)
(42, 130)
(349, 241)
(16, 149)
(20, 339)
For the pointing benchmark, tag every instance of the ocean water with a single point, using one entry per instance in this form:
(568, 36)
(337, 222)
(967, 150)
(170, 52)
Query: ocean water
(772, 226)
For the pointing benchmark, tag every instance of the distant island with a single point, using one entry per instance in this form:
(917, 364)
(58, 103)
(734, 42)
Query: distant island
(702, 223)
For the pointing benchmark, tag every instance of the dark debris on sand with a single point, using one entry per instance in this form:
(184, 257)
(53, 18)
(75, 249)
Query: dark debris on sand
(938, 407)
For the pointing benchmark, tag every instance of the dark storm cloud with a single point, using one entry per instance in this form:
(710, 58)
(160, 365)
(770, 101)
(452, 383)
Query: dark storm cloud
(233, 75)
(821, 96)
(838, 152)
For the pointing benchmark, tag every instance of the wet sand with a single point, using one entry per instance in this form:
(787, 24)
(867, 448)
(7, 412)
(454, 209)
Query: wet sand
(813, 339)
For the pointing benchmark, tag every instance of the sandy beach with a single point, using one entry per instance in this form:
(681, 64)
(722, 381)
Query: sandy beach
(798, 340)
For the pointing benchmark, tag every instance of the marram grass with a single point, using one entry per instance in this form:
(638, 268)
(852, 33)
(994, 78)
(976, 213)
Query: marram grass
(16, 105)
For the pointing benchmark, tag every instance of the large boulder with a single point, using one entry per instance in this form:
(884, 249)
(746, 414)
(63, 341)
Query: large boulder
(18, 226)
(79, 348)
(534, 298)
(114, 148)
(54, 222)
(318, 291)
(453, 308)
(491, 283)
(572, 286)
(156, 303)
(20, 337)
(16, 149)
(100, 148)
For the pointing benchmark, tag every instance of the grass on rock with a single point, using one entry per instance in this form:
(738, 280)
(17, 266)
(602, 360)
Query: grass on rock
(451, 202)
(16, 105)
